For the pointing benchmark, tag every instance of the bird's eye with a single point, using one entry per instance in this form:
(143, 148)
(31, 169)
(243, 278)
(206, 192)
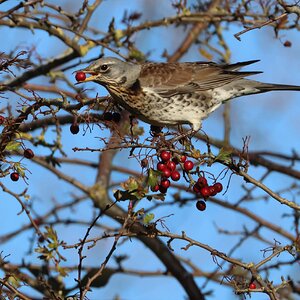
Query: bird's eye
(104, 67)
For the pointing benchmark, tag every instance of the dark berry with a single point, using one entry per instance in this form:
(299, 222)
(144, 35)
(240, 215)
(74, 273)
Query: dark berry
(162, 189)
(175, 175)
(107, 116)
(80, 76)
(155, 129)
(165, 156)
(202, 181)
(165, 183)
(188, 165)
(2, 119)
(196, 188)
(205, 191)
(218, 187)
(252, 286)
(14, 176)
(201, 205)
(28, 153)
(155, 188)
(144, 163)
(287, 44)
(171, 165)
(74, 128)
(116, 117)
(161, 166)
(166, 173)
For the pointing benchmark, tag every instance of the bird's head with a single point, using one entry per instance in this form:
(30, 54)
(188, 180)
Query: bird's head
(111, 71)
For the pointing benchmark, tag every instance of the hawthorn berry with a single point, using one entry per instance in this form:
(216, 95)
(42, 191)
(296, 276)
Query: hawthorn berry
(116, 117)
(212, 190)
(155, 188)
(107, 116)
(171, 165)
(196, 188)
(202, 181)
(144, 163)
(201, 205)
(28, 153)
(188, 165)
(162, 189)
(165, 183)
(218, 187)
(155, 129)
(175, 176)
(14, 176)
(2, 119)
(80, 76)
(161, 166)
(165, 156)
(166, 173)
(74, 128)
(183, 158)
(252, 286)
(205, 191)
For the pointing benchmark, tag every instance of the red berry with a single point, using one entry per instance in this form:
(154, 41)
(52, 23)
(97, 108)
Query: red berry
(252, 286)
(218, 187)
(162, 189)
(28, 153)
(183, 158)
(205, 191)
(171, 165)
(80, 76)
(212, 190)
(201, 205)
(161, 166)
(196, 188)
(188, 165)
(14, 176)
(155, 188)
(287, 44)
(165, 156)
(175, 175)
(165, 183)
(2, 119)
(74, 128)
(166, 173)
(202, 181)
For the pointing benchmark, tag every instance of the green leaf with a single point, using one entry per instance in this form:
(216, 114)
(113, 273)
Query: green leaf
(224, 156)
(13, 146)
(148, 218)
(153, 176)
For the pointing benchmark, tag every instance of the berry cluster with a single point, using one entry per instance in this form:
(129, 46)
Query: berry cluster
(167, 167)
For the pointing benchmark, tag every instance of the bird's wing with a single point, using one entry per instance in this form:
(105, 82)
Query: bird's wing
(179, 78)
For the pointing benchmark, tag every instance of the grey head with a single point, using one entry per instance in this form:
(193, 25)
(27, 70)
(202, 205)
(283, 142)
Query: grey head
(111, 71)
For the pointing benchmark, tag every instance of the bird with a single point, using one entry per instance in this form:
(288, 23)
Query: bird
(175, 93)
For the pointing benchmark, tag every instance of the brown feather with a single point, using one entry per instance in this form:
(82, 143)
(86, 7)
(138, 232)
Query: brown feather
(178, 78)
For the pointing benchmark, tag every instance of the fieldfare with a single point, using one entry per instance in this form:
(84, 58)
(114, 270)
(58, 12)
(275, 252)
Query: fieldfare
(164, 94)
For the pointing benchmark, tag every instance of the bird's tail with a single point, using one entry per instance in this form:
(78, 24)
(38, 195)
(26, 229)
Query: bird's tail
(267, 87)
